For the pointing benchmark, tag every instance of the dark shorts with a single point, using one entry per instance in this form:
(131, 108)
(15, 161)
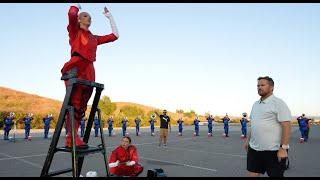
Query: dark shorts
(265, 161)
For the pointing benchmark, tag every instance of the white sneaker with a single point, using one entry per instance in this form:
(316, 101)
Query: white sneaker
(92, 174)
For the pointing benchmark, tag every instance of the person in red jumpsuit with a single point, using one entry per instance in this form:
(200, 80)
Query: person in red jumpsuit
(83, 53)
(124, 160)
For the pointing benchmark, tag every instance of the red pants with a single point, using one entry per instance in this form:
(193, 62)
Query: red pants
(80, 94)
(123, 170)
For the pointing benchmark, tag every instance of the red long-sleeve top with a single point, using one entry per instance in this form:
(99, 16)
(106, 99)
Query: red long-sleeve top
(84, 42)
(124, 155)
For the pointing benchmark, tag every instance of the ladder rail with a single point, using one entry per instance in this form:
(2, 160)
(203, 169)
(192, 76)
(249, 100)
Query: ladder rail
(57, 132)
(92, 114)
(103, 144)
(73, 142)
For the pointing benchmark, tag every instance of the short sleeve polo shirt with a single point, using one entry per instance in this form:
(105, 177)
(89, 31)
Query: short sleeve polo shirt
(265, 118)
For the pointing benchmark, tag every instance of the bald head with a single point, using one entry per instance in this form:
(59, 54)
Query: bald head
(84, 19)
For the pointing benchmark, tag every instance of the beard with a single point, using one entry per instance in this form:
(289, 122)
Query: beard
(262, 93)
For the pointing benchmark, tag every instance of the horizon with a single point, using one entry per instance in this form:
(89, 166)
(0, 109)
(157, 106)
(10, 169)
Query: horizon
(230, 115)
(201, 57)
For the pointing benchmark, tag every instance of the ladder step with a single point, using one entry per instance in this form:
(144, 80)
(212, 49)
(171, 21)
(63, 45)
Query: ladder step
(86, 83)
(89, 150)
(71, 74)
(54, 173)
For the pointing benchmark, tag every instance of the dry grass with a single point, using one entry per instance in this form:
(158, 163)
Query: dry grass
(16, 101)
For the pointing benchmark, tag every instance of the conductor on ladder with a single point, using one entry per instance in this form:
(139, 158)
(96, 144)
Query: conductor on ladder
(83, 53)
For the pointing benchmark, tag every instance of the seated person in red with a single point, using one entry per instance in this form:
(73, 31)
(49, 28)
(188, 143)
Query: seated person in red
(124, 160)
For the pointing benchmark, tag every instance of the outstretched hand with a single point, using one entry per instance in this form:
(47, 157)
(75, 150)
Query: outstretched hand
(106, 11)
(77, 5)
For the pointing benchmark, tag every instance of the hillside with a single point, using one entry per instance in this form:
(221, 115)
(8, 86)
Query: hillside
(22, 103)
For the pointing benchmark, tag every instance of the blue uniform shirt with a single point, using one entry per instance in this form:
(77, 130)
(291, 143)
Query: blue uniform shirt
(137, 121)
(243, 122)
(124, 123)
(110, 121)
(180, 124)
(151, 122)
(226, 121)
(303, 122)
(27, 121)
(96, 123)
(82, 123)
(8, 121)
(210, 120)
(196, 122)
(47, 121)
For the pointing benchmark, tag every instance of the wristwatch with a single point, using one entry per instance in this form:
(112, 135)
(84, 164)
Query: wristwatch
(284, 146)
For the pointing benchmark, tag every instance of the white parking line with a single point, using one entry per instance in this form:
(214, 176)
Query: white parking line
(156, 142)
(181, 164)
(207, 152)
(21, 157)
(110, 147)
(25, 161)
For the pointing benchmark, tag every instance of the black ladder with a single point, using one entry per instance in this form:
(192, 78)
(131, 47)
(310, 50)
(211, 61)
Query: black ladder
(77, 153)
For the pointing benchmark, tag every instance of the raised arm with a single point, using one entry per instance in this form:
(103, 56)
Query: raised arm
(112, 22)
(156, 113)
(73, 25)
(114, 35)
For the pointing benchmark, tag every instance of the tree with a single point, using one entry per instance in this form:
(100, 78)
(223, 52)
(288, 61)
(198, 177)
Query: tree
(190, 114)
(132, 111)
(106, 107)
(180, 111)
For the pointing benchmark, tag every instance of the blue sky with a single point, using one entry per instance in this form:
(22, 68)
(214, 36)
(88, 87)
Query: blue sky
(204, 57)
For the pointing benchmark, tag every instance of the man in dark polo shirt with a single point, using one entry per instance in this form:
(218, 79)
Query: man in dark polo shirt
(164, 124)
